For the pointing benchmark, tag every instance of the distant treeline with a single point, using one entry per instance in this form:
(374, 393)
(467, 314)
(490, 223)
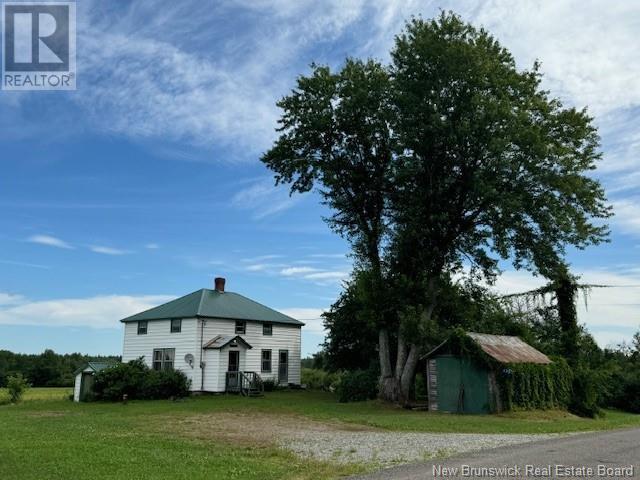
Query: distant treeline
(48, 369)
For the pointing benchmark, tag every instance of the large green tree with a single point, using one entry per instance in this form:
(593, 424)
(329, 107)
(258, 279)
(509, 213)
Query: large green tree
(449, 158)
(336, 135)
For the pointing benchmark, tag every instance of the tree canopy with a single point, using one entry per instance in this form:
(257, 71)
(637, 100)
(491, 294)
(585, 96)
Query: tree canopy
(446, 161)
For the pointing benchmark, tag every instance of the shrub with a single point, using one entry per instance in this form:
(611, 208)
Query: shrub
(122, 379)
(585, 397)
(16, 385)
(165, 384)
(357, 385)
(269, 385)
(629, 398)
(137, 381)
(316, 379)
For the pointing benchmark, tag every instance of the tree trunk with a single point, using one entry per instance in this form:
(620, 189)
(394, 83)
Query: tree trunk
(566, 291)
(388, 388)
(396, 386)
(408, 374)
(401, 358)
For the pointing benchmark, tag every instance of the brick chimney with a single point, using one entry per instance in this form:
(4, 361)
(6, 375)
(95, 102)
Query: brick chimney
(219, 284)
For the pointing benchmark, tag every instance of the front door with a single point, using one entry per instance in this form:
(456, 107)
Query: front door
(283, 367)
(233, 380)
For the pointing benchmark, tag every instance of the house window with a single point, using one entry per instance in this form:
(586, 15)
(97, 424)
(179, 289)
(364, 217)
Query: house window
(176, 325)
(163, 358)
(142, 327)
(241, 327)
(266, 361)
(267, 329)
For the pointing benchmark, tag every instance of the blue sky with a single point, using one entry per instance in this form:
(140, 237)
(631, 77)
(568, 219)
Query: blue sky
(145, 183)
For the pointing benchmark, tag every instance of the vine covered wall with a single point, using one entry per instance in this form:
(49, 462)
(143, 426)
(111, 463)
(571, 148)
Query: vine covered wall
(531, 386)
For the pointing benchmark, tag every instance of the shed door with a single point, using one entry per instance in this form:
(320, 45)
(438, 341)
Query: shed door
(86, 385)
(462, 386)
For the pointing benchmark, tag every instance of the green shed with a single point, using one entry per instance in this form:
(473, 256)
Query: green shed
(462, 384)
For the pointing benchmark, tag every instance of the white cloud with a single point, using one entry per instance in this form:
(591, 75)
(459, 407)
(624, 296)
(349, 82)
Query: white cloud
(588, 53)
(291, 271)
(329, 276)
(206, 80)
(49, 241)
(328, 255)
(316, 275)
(258, 267)
(259, 258)
(10, 299)
(263, 199)
(24, 264)
(611, 314)
(108, 250)
(93, 312)
(152, 246)
(627, 215)
(310, 316)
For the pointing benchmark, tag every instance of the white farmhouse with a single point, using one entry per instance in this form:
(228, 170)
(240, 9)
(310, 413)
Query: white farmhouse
(221, 340)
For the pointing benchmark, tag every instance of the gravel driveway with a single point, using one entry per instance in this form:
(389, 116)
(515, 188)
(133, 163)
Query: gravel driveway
(388, 448)
(340, 442)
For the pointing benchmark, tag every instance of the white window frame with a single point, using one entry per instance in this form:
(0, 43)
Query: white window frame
(263, 360)
(146, 327)
(163, 358)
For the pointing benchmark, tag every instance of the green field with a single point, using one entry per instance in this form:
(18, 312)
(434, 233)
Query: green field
(49, 437)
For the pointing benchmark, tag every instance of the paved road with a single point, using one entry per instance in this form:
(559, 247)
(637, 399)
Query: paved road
(598, 451)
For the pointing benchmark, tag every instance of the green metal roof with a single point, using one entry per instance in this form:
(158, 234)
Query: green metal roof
(214, 304)
(95, 366)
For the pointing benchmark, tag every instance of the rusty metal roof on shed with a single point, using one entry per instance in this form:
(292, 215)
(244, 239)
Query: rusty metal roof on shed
(507, 349)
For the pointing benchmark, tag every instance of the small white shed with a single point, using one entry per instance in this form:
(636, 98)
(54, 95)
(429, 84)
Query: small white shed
(84, 379)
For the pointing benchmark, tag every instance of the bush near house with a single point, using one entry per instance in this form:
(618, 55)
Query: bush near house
(349, 385)
(269, 385)
(316, 379)
(138, 381)
(357, 385)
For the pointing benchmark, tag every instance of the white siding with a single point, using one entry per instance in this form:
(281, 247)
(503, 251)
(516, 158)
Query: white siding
(212, 380)
(189, 340)
(217, 364)
(159, 336)
(76, 388)
(285, 337)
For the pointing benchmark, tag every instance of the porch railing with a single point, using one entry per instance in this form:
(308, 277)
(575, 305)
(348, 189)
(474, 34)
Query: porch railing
(246, 383)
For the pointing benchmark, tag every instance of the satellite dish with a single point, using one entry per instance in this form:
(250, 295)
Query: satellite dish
(189, 359)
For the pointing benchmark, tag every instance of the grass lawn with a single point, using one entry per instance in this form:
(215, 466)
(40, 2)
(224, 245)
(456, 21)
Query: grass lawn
(48, 437)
